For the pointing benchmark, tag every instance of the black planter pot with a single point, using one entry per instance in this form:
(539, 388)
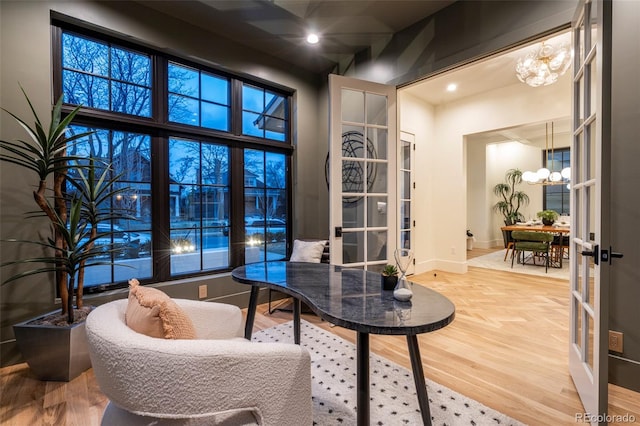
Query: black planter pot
(54, 353)
(547, 222)
(389, 282)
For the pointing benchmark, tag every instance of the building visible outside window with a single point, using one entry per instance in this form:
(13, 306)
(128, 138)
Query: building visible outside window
(178, 143)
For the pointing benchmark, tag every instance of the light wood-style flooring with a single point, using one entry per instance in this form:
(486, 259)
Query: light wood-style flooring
(507, 348)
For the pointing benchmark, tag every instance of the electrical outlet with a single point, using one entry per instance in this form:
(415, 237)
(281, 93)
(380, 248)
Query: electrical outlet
(453, 250)
(615, 341)
(202, 291)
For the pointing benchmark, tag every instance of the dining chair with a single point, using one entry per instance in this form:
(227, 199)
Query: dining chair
(538, 243)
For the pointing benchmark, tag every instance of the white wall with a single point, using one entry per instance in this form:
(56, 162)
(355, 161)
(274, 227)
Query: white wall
(500, 158)
(444, 202)
(417, 117)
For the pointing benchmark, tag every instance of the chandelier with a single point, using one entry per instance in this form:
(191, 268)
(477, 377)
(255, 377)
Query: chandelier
(544, 65)
(545, 176)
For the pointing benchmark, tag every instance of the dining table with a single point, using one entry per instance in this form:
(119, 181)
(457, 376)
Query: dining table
(559, 229)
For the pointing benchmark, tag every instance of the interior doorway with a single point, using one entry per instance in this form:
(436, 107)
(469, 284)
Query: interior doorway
(466, 139)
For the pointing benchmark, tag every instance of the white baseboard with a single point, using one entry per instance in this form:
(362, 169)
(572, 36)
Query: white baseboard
(456, 267)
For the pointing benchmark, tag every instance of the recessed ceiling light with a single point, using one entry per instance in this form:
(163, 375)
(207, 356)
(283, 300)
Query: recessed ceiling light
(313, 38)
(452, 87)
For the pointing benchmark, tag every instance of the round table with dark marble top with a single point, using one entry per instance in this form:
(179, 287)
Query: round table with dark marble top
(353, 299)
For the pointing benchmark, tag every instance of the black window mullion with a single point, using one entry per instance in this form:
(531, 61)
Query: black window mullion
(160, 195)
(236, 107)
(159, 90)
(236, 209)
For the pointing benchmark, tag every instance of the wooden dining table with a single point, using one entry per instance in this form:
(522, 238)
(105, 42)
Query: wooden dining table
(538, 228)
(558, 230)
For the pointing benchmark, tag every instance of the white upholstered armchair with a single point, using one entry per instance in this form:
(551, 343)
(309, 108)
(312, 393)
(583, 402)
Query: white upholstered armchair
(218, 378)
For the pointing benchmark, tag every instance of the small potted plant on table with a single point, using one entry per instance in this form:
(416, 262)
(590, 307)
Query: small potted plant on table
(548, 217)
(389, 277)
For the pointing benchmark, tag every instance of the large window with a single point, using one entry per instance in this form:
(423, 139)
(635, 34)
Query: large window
(204, 155)
(556, 197)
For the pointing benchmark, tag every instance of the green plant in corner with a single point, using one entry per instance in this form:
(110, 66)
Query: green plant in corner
(548, 216)
(511, 199)
(73, 214)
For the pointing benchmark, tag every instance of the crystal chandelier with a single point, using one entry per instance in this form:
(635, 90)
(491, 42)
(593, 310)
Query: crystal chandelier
(544, 65)
(545, 176)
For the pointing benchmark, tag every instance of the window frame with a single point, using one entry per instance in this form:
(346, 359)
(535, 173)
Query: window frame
(564, 193)
(160, 130)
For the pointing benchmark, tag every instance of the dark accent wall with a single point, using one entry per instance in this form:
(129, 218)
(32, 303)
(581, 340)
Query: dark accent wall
(25, 58)
(459, 34)
(624, 368)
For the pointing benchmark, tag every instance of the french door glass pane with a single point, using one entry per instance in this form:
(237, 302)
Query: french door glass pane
(352, 106)
(352, 212)
(376, 109)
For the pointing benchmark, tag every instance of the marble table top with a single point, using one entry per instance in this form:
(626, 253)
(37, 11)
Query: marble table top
(352, 298)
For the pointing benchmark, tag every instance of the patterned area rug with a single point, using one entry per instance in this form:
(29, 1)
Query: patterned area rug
(393, 395)
(496, 260)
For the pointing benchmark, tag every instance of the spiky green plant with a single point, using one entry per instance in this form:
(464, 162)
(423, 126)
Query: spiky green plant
(73, 233)
(511, 199)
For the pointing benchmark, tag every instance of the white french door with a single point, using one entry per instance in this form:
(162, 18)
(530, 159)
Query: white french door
(406, 188)
(590, 175)
(362, 172)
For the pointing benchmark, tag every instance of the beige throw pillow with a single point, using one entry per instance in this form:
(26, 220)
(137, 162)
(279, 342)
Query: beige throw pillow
(153, 313)
(307, 251)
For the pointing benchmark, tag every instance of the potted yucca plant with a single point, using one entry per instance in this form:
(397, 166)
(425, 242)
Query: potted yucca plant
(70, 193)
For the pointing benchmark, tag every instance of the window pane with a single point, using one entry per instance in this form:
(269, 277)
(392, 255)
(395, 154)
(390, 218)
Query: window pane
(184, 161)
(130, 99)
(276, 129)
(215, 89)
(215, 116)
(183, 81)
(130, 67)
(183, 110)
(81, 54)
(275, 170)
(252, 99)
(250, 124)
(86, 90)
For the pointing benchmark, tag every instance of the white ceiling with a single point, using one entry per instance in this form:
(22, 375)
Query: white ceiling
(485, 76)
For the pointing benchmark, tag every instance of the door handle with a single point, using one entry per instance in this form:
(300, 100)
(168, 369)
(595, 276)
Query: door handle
(594, 254)
(614, 254)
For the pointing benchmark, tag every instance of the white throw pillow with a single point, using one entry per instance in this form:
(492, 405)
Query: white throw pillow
(307, 251)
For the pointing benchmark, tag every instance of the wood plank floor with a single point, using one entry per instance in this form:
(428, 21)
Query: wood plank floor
(507, 348)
